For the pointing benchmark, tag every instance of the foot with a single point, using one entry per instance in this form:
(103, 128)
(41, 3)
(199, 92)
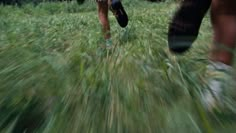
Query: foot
(105, 49)
(219, 80)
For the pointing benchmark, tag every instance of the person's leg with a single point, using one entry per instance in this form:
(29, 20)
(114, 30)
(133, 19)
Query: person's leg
(103, 18)
(223, 17)
(106, 47)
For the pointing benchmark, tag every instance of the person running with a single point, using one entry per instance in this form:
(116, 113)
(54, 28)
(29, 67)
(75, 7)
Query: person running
(183, 31)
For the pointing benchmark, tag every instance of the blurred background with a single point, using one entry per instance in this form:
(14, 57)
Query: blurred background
(53, 81)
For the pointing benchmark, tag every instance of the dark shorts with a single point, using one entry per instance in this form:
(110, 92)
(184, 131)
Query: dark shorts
(101, 0)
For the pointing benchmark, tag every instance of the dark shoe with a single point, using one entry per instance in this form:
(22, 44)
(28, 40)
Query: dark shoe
(119, 12)
(184, 28)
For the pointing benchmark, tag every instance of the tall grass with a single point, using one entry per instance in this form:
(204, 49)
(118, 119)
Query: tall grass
(52, 76)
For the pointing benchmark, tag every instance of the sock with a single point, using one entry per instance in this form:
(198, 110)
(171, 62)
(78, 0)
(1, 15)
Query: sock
(108, 42)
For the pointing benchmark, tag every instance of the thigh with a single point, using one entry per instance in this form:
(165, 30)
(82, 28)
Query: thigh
(102, 5)
(102, 1)
(224, 7)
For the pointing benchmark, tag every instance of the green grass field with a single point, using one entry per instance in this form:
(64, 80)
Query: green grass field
(51, 74)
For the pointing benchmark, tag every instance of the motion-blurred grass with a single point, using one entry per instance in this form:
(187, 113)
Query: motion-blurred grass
(52, 76)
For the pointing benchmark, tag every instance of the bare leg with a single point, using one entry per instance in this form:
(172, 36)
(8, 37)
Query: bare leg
(223, 16)
(103, 18)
